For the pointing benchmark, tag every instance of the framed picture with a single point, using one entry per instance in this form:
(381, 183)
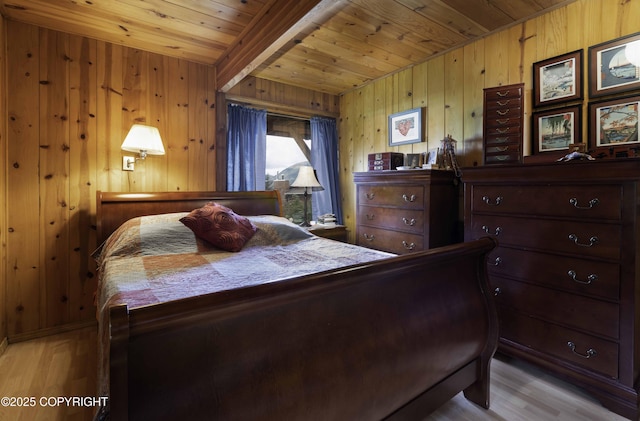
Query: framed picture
(405, 127)
(558, 79)
(555, 130)
(613, 127)
(610, 70)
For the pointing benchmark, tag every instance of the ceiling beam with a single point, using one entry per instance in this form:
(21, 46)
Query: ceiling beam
(278, 24)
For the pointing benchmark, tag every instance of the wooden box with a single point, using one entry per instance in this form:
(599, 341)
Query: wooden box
(385, 161)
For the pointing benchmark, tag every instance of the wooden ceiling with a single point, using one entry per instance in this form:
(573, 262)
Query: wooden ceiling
(330, 46)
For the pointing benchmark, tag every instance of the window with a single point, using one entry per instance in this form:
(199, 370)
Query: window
(288, 148)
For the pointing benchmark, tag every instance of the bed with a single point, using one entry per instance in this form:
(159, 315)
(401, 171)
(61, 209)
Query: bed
(364, 336)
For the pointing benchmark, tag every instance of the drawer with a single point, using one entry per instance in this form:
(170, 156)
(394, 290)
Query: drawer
(391, 241)
(504, 112)
(407, 220)
(503, 103)
(501, 140)
(554, 340)
(562, 308)
(574, 237)
(503, 158)
(495, 94)
(503, 130)
(497, 125)
(582, 276)
(406, 197)
(504, 149)
(599, 202)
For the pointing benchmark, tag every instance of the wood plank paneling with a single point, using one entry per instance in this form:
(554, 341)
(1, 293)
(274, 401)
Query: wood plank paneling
(70, 102)
(455, 80)
(3, 189)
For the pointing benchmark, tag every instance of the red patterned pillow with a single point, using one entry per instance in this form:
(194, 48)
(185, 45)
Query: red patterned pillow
(220, 226)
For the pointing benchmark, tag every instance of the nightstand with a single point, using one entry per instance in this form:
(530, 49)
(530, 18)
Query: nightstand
(337, 232)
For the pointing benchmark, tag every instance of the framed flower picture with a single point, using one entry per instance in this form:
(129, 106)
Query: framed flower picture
(405, 127)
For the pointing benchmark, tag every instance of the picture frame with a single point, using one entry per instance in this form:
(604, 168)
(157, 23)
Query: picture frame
(555, 130)
(405, 127)
(613, 127)
(610, 72)
(558, 79)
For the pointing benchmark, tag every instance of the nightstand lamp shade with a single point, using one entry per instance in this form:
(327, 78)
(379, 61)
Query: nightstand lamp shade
(307, 178)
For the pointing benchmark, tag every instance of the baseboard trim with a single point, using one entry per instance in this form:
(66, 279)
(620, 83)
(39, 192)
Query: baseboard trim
(40, 333)
(3, 345)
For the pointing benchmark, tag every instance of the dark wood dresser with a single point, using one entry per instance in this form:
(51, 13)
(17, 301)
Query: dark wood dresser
(406, 211)
(503, 124)
(566, 274)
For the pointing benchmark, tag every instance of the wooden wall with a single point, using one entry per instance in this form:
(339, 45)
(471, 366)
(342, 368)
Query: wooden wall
(3, 191)
(451, 85)
(70, 102)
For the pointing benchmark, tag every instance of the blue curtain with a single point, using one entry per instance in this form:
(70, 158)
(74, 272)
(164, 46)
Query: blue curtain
(246, 148)
(324, 159)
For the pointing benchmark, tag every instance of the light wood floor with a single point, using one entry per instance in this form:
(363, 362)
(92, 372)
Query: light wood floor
(65, 365)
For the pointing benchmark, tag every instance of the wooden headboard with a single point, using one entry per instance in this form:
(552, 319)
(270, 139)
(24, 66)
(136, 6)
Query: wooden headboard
(112, 209)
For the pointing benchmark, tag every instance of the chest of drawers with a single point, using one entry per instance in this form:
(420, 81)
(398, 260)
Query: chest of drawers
(503, 124)
(405, 211)
(566, 272)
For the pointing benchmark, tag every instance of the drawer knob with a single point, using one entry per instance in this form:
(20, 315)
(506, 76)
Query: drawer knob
(590, 352)
(591, 278)
(411, 198)
(487, 200)
(497, 291)
(593, 240)
(496, 262)
(410, 246)
(370, 196)
(411, 222)
(486, 230)
(592, 203)
(368, 237)
(370, 216)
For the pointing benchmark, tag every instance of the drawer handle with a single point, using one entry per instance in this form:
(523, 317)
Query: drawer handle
(593, 240)
(500, 140)
(592, 203)
(496, 262)
(591, 278)
(502, 103)
(497, 292)
(505, 112)
(487, 200)
(502, 131)
(411, 198)
(370, 196)
(486, 230)
(368, 237)
(370, 216)
(503, 120)
(590, 352)
(411, 222)
(408, 246)
(502, 149)
(502, 94)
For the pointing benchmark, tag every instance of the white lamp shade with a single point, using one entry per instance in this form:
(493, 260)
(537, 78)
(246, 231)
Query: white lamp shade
(632, 51)
(143, 139)
(307, 178)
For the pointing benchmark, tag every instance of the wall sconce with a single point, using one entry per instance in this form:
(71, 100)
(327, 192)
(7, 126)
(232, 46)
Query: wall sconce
(142, 139)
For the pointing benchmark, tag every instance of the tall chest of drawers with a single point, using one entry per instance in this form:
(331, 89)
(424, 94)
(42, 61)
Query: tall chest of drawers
(503, 124)
(405, 211)
(566, 273)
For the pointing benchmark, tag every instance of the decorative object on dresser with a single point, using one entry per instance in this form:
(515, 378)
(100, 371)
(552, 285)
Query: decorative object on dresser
(565, 274)
(406, 211)
(502, 125)
(333, 232)
(385, 161)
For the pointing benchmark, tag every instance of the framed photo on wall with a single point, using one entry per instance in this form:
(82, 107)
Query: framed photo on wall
(610, 70)
(405, 127)
(613, 126)
(555, 130)
(558, 79)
